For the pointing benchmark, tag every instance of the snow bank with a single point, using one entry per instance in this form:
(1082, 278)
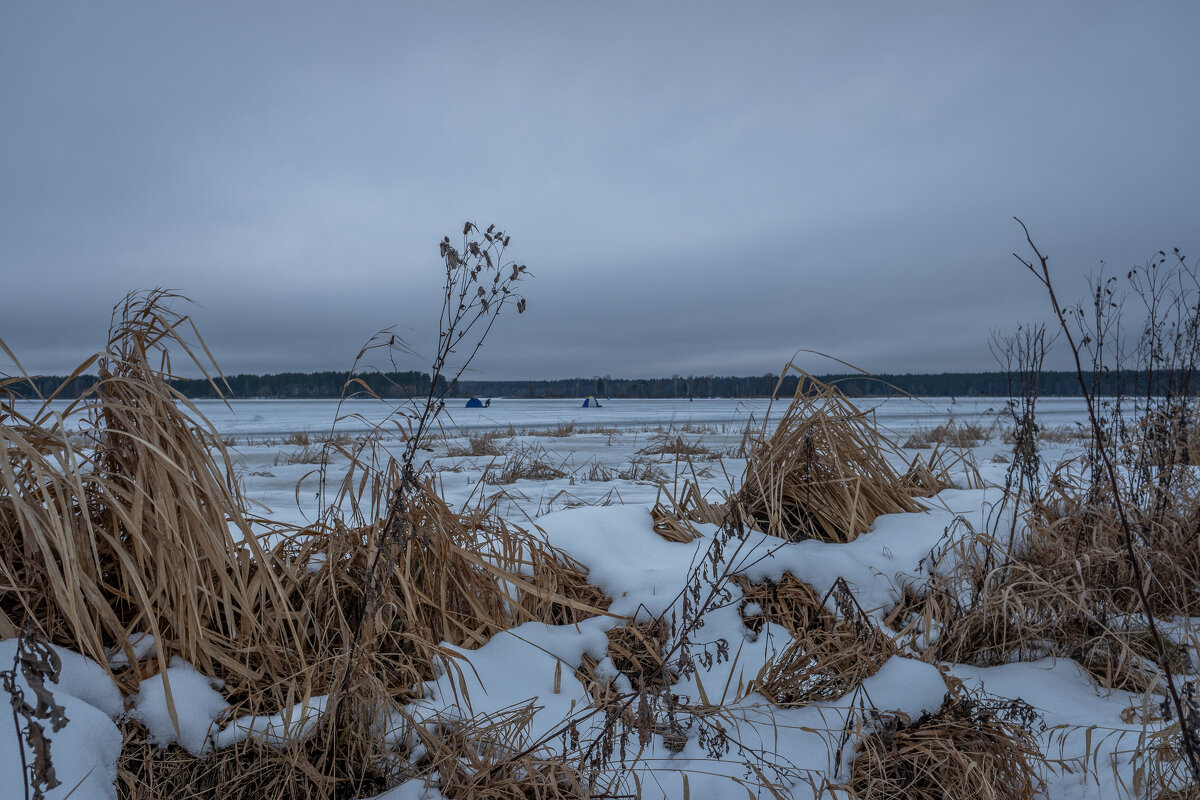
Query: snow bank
(85, 751)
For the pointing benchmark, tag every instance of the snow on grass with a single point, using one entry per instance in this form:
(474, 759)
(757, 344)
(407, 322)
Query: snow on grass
(646, 577)
(196, 703)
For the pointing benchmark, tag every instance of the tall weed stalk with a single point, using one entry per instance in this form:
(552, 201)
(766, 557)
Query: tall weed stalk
(1169, 344)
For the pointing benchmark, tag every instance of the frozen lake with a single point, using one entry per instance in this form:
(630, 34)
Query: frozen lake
(607, 455)
(267, 418)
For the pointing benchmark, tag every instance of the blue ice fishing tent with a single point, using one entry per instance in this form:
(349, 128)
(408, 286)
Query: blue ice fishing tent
(474, 402)
(591, 401)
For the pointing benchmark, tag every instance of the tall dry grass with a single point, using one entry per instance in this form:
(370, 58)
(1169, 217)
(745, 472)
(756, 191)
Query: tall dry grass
(823, 471)
(143, 530)
(1066, 588)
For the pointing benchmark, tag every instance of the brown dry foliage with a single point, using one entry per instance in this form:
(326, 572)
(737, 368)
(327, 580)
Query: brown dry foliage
(525, 462)
(954, 434)
(133, 534)
(674, 517)
(827, 655)
(146, 771)
(1067, 591)
(476, 444)
(664, 444)
(483, 759)
(964, 751)
(822, 473)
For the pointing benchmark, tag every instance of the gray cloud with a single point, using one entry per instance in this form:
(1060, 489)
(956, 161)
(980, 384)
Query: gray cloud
(698, 188)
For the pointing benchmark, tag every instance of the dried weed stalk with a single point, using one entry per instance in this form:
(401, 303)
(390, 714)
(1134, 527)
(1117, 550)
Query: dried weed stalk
(34, 663)
(1170, 347)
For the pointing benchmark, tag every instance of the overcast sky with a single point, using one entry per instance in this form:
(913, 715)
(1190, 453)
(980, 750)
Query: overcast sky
(698, 188)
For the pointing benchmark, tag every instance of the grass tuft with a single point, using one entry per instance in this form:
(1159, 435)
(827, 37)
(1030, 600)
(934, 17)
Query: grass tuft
(966, 749)
(822, 473)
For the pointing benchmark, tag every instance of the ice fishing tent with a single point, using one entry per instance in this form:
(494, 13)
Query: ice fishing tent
(591, 401)
(474, 402)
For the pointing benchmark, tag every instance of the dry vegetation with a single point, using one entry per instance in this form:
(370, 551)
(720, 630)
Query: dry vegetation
(823, 473)
(953, 434)
(477, 444)
(1065, 590)
(828, 655)
(528, 462)
(679, 447)
(137, 527)
(966, 749)
(559, 431)
(133, 536)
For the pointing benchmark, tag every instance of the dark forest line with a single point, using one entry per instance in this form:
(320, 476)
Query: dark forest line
(326, 385)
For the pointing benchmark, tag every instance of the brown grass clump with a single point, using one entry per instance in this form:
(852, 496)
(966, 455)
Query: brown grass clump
(483, 759)
(636, 650)
(309, 454)
(1191, 792)
(456, 578)
(525, 462)
(146, 771)
(1160, 769)
(788, 602)
(1019, 616)
(954, 434)
(1071, 526)
(822, 473)
(597, 471)
(462, 579)
(477, 444)
(643, 470)
(677, 446)
(1067, 591)
(559, 431)
(827, 656)
(134, 533)
(928, 475)
(674, 517)
(1059, 434)
(967, 749)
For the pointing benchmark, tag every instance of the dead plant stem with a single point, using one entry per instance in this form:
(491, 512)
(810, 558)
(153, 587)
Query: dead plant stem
(1188, 737)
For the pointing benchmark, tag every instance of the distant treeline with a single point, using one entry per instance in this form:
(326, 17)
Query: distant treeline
(318, 385)
(299, 385)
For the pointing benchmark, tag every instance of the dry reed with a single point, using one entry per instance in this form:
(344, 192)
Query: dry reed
(954, 434)
(827, 655)
(966, 749)
(1064, 589)
(132, 534)
(476, 444)
(822, 473)
(664, 444)
(675, 517)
